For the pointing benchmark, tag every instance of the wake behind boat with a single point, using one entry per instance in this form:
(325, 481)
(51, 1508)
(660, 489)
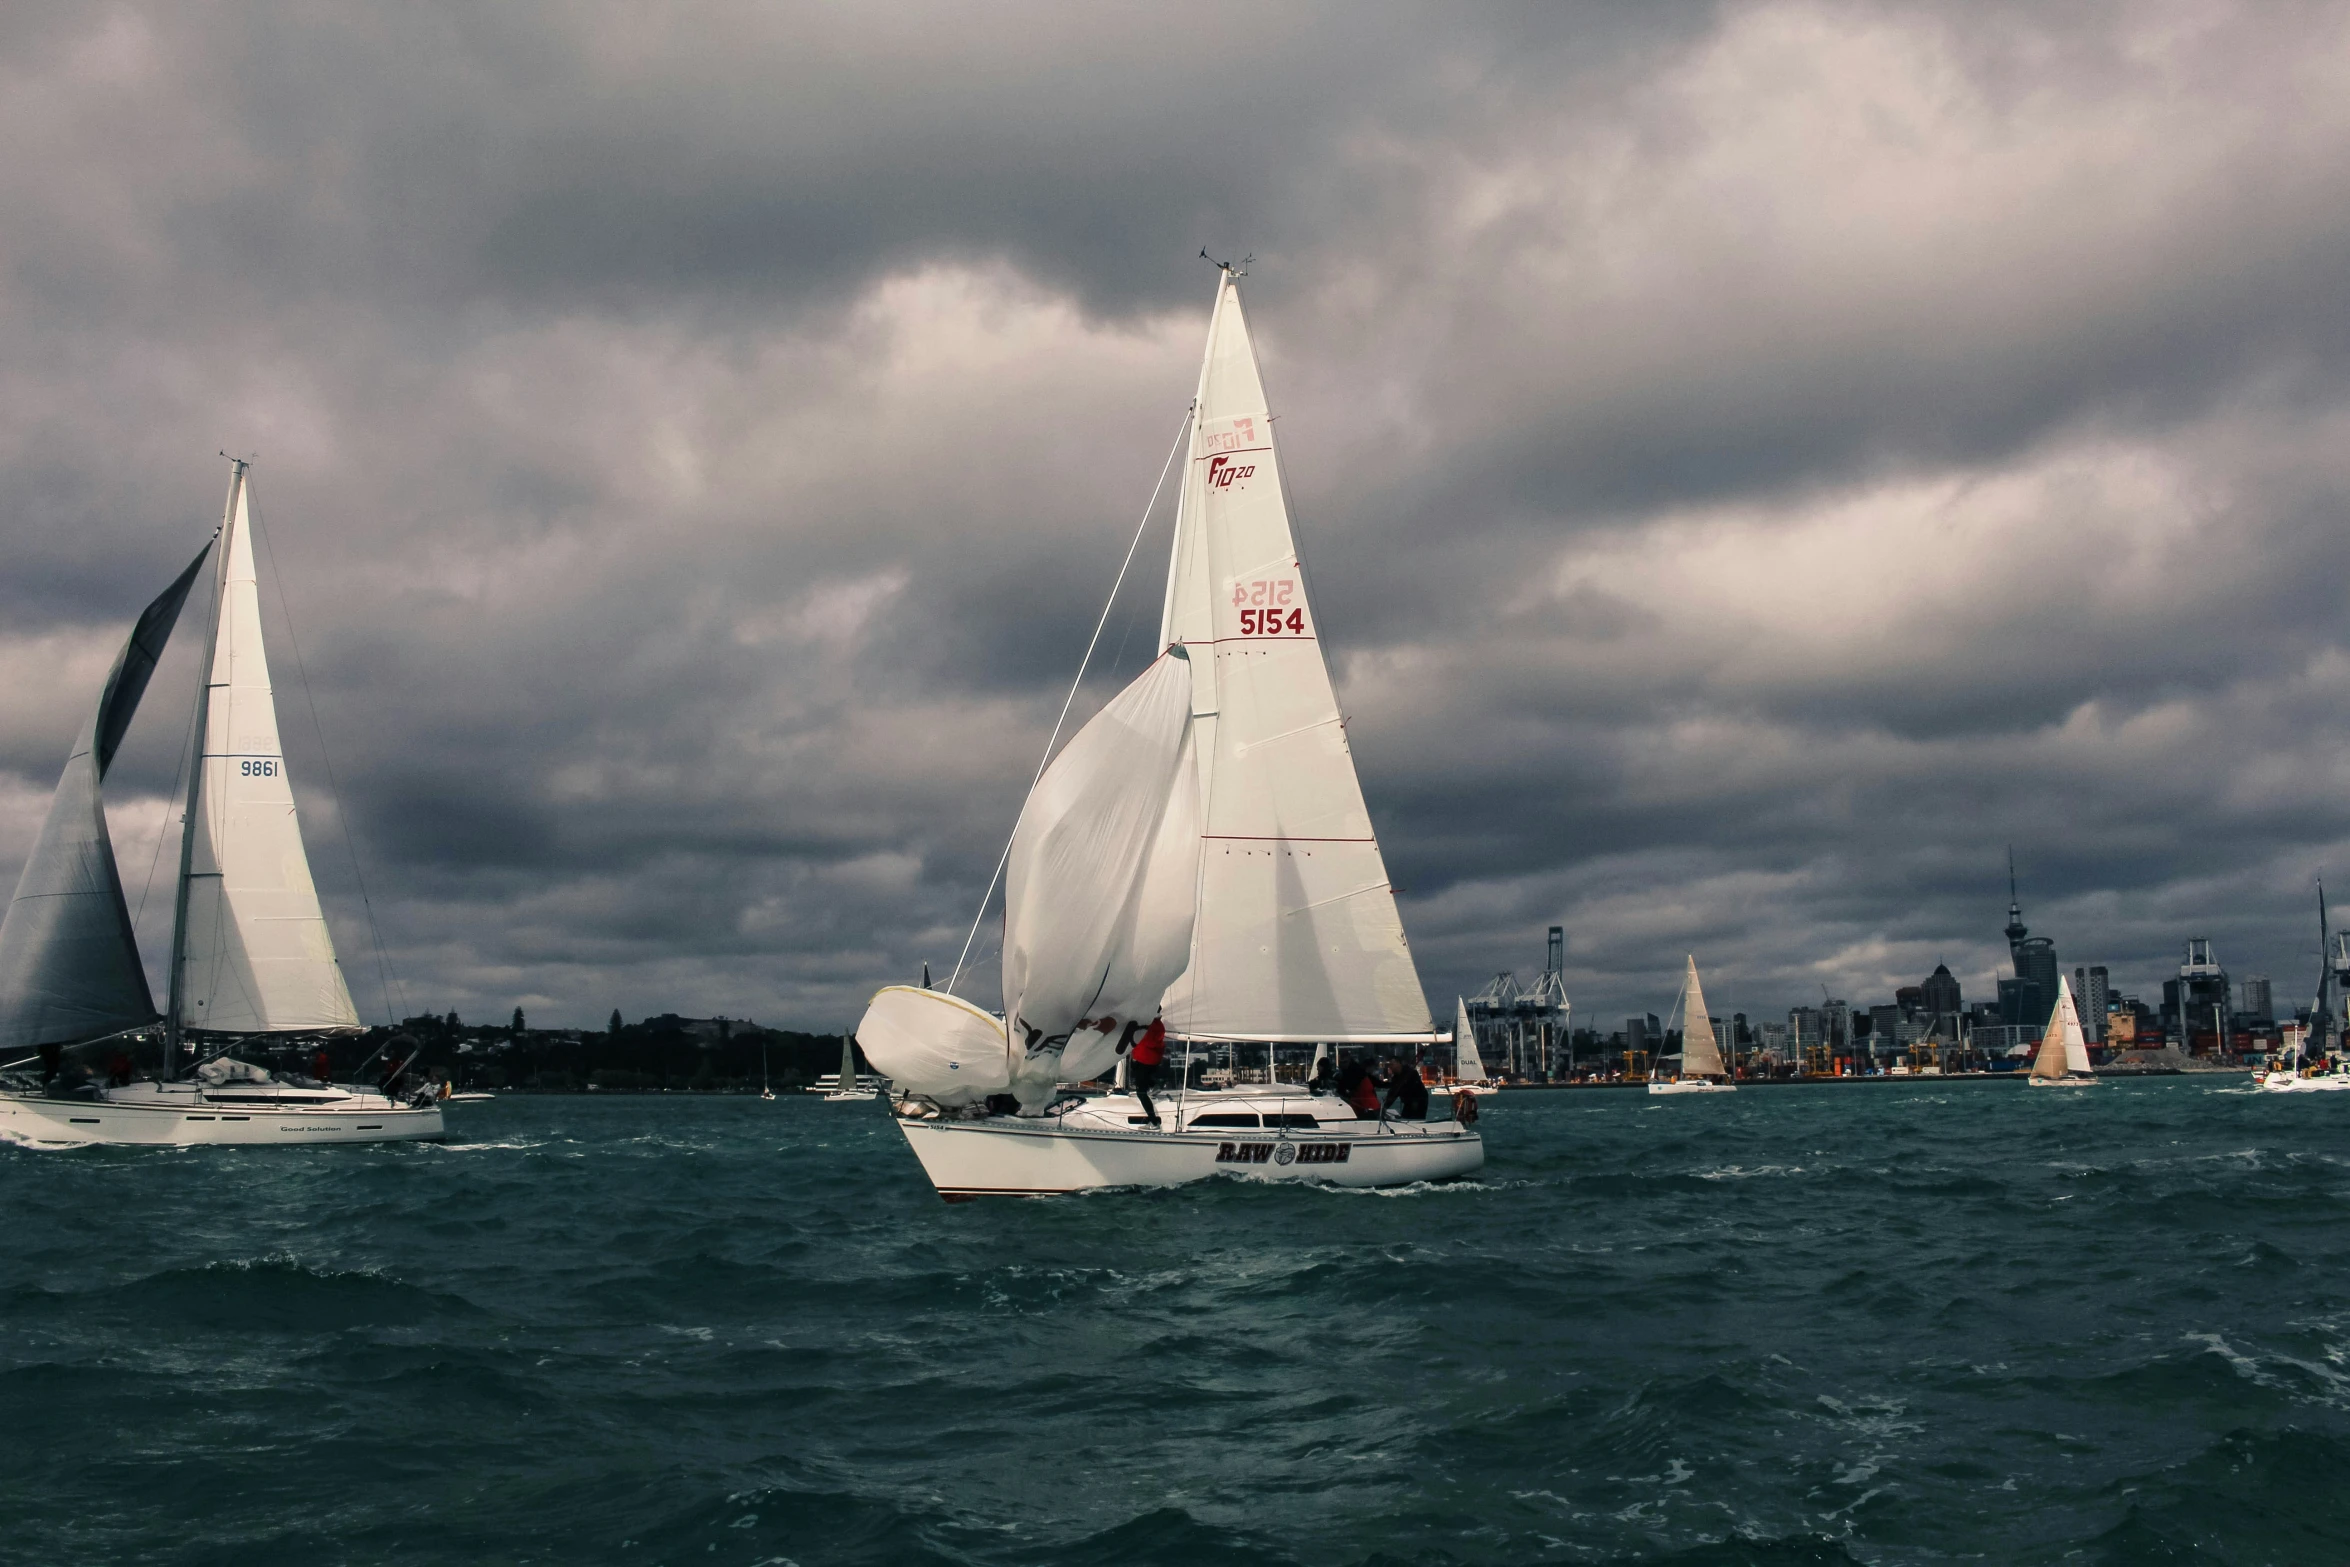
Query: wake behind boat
(1197, 857)
(251, 958)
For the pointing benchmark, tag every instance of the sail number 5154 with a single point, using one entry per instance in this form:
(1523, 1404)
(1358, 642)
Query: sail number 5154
(1266, 609)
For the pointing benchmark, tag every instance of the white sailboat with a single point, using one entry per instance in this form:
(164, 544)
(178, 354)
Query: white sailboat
(2063, 1061)
(1199, 853)
(1702, 1071)
(250, 955)
(2311, 1064)
(1468, 1070)
(846, 1085)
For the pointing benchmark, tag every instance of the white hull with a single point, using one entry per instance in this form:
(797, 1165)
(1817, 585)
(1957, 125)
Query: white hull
(1095, 1146)
(2289, 1083)
(178, 1115)
(839, 1098)
(2061, 1082)
(1693, 1085)
(1479, 1090)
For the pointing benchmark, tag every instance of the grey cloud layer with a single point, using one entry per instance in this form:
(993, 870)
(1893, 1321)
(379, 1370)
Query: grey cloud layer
(1755, 463)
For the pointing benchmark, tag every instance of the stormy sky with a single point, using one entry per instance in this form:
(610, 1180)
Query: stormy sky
(1755, 463)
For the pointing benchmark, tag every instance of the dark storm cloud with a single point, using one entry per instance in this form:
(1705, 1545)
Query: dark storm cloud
(1755, 462)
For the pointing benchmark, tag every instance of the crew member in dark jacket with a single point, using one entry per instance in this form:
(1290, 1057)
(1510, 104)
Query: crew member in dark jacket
(1406, 1092)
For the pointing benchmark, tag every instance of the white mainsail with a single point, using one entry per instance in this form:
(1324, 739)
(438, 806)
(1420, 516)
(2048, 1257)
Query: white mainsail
(1101, 883)
(1468, 1065)
(256, 956)
(1700, 1056)
(2064, 1050)
(69, 965)
(1298, 937)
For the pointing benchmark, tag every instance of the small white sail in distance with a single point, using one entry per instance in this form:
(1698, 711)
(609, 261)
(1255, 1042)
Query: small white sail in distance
(1468, 1065)
(2064, 1049)
(1298, 937)
(257, 957)
(1101, 884)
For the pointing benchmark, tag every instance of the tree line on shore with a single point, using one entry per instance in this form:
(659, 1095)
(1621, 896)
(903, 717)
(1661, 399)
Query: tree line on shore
(665, 1053)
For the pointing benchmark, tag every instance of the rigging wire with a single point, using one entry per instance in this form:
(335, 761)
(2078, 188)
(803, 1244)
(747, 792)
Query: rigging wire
(1092, 642)
(277, 579)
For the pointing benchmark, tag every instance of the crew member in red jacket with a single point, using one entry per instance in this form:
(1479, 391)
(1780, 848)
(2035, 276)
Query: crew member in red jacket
(1144, 1051)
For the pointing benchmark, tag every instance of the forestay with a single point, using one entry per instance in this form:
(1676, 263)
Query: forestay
(1101, 883)
(1298, 937)
(257, 957)
(69, 965)
(1700, 1055)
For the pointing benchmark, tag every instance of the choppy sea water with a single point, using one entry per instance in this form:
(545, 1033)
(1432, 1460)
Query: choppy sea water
(1826, 1324)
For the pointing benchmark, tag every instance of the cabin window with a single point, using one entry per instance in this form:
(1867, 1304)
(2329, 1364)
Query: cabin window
(1304, 1123)
(1223, 1118)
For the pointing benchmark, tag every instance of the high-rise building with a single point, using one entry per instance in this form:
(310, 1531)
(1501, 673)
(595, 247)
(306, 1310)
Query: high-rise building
(1942, 1003)
(2091, 992)
(2259, 1001)
(1884, 1028)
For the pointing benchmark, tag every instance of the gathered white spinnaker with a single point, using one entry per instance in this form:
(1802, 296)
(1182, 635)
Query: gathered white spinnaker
(1298, 937)
(1101, 884)
(69, 964)
(2064, 1049)
(1099, 887)
(1468, 1065)
(935, 1045)
(256, 956)
(1700, 1055)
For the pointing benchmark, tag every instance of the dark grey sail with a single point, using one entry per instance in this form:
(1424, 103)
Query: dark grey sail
(69, 967)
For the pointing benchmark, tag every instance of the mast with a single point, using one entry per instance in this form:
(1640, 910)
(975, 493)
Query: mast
(173, 1023)
(2325, 973)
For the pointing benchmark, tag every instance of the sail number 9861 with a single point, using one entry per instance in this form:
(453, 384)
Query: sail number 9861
(264, 768)
(1266, 609)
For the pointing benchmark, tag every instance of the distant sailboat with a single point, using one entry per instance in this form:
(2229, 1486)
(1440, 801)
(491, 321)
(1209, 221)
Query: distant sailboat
(1468, 1066)
(250, 954)
(2312, 1066)
(2063, 1061)
(1198, 853)
(845, 1084)
(1702, 1071)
